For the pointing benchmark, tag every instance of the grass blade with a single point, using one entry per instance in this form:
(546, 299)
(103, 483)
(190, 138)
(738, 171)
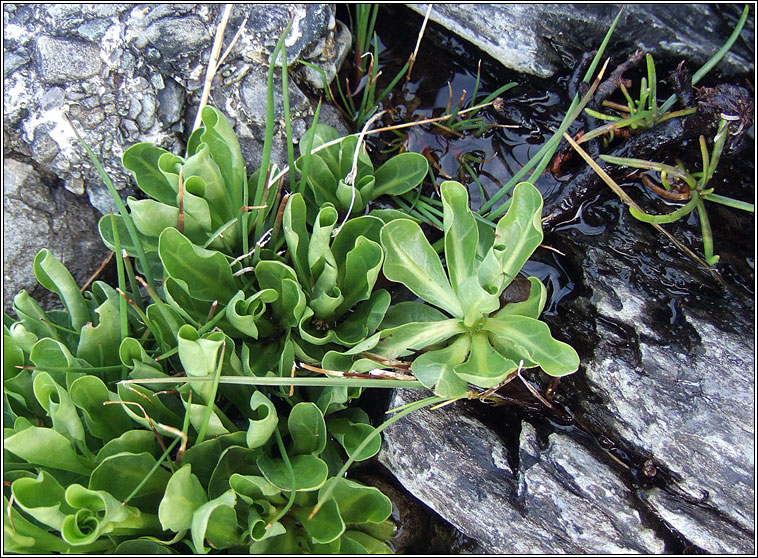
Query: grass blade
(119, 204)
(715, 59)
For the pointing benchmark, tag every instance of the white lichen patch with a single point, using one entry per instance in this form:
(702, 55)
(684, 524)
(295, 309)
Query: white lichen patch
(60, 132)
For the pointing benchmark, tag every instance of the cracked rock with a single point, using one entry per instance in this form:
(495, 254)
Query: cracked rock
(672, 377)
(559, 499)
(37, 216)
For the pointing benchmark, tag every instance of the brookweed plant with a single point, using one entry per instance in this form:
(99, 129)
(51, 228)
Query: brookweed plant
(206, 402)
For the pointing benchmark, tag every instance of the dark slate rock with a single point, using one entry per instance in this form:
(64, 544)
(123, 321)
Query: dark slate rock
(668, 370)
(532, 38)
(170, 102)
(37, 216)
(559, 499)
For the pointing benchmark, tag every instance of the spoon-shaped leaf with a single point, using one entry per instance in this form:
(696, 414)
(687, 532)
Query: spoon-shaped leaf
(412, 261)
(400, 174)
(461, 233)
(519, 231)
(206, 273)
(531, 338)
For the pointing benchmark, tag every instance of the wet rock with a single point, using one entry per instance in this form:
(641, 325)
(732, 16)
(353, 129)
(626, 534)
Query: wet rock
(554, 498)
(668, 371)
(36, 216)
(532, 38)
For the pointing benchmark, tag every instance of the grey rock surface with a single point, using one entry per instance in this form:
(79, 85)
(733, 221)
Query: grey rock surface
(558, 498)
(530, 37)
(38, 215)
(127, 73)
(681, 393)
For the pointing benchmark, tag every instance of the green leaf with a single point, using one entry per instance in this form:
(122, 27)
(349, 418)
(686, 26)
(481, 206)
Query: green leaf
(290, 307)
(225, 150)
(485, 367)
(360, 504)
(216, 522)
(134, 441)
(362, 266)
(204, 456)
(364, 320)
(24, 537)
(99, 344)
(310, 472)
(121, 473)
(234, 459)
(260, 429)
(142, 547)
(54, 276)
(44, 447)
(435, 369)
(461, 234)
(387, 215)
(199, 357)
(165, 322)
(149, 244)
(61, 410)
(350, 427)
(346, 156)
(519, 231)
(400, 174)
(323, 133)
(296, 235)
(397, 341)
(515, 336)
(184, 494)
(321, 180)
(152, 405)
(365, 225)
(412, 261)
(307, 428)
(245, 313)
(367, 542)
(42, 498)
(214, 427)
(257, 525)
(142, 160)
(326, 526)
(477, 302)
(220, 201)
(151, 218)
(103, 421)
(30, 314)
(98, 514)
(206, 273)
(253, 487)
(410, 311)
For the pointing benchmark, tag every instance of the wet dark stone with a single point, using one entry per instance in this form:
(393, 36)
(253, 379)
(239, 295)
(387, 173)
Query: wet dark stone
(535, 38)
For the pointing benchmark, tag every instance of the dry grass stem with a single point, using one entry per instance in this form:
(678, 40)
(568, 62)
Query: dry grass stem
(212, 64)
(412, 59)
(98, 271)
